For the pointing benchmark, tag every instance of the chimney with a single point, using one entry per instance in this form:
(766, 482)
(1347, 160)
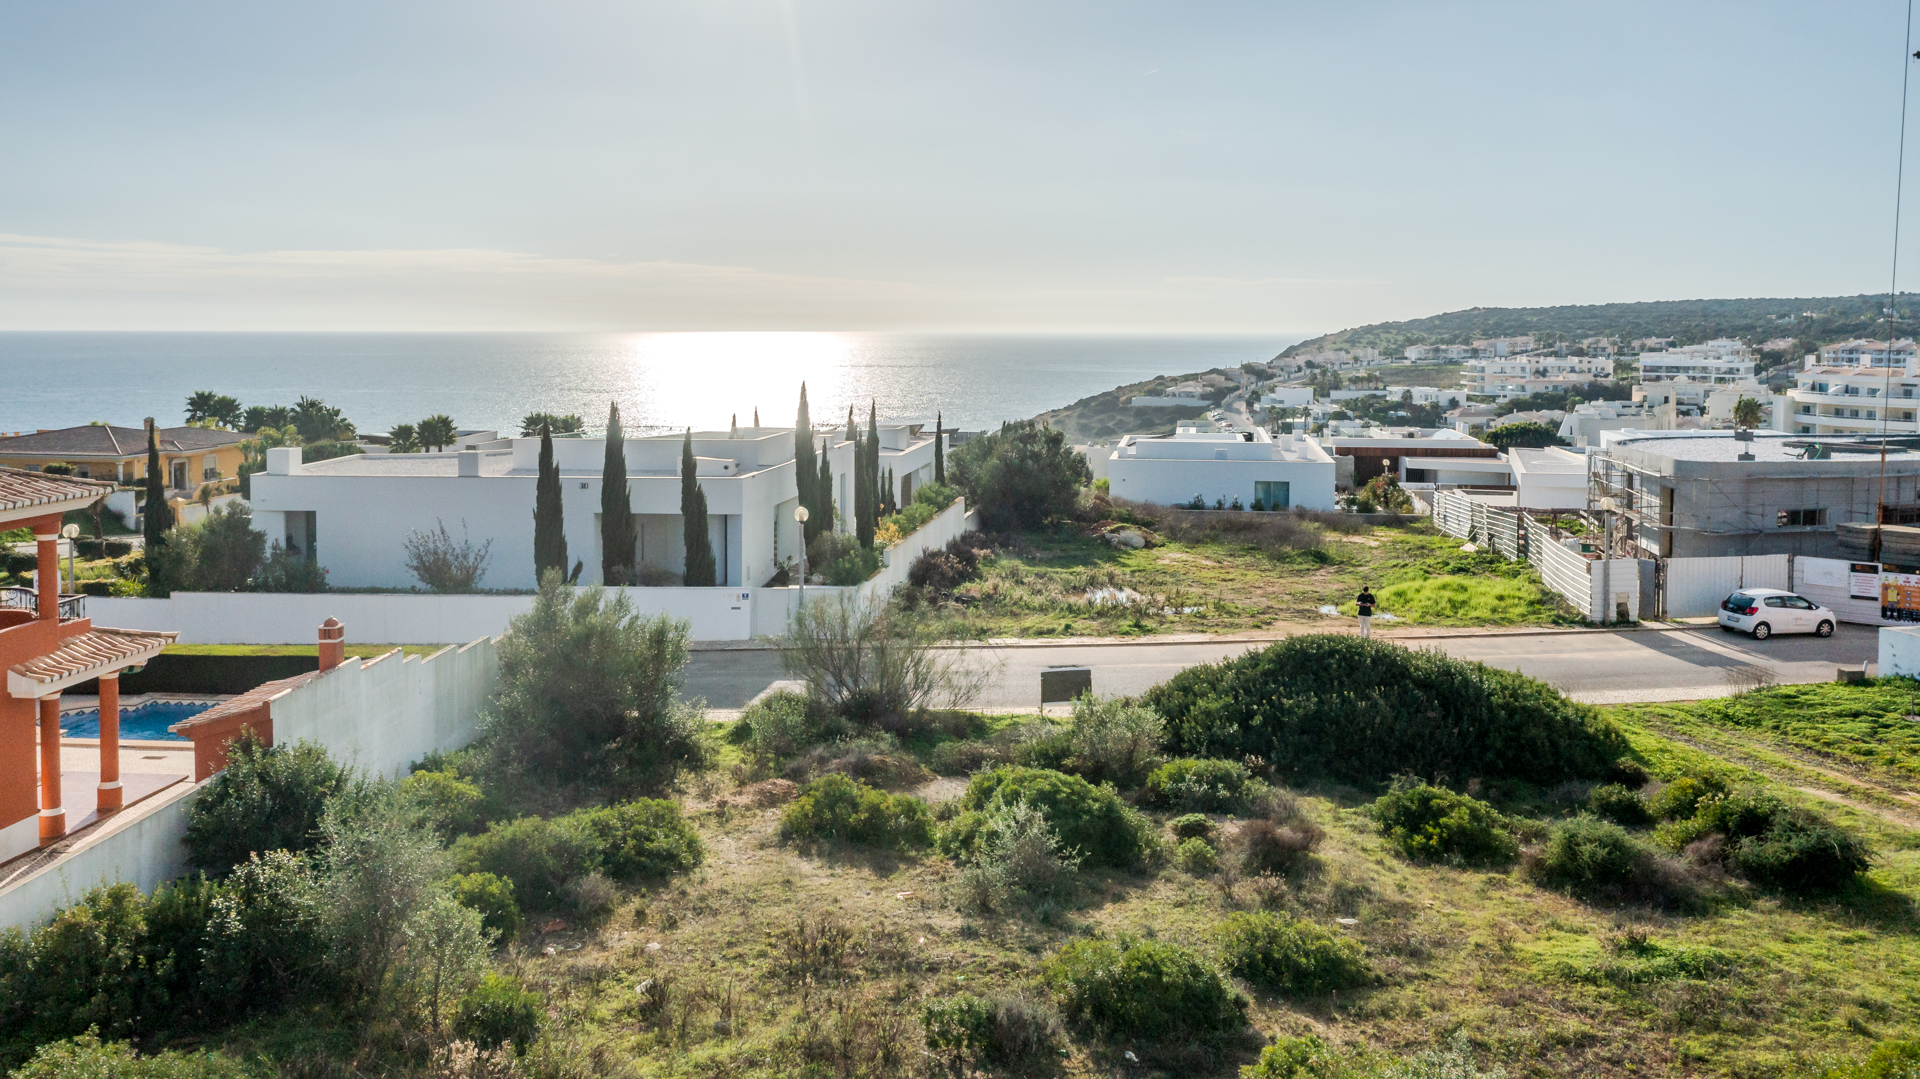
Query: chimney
(333, 644)
(469, 462)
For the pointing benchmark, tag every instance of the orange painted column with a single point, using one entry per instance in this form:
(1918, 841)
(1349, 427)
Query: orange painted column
(47, 580)
(53, 816)
(109, 797)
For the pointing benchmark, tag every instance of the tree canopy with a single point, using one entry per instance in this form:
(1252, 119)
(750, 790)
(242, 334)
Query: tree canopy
(1021, 475)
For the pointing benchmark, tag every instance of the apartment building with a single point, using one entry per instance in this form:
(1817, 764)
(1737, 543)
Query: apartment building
(1853, 399)
(1722, 361)
(1505, 378)
(1861, 352)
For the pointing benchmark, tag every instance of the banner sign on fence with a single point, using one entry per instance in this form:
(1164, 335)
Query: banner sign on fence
(1900, 597)
(1863, 580)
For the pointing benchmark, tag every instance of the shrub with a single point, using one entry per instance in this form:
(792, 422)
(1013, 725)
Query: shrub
(1590, 856)
(867, 660)
(1019, 476)
(1803, 854)
(1619, 805)
(538, 856)
(492, 896)
(289, 571)
(1015, 849)
(1363, 710)
(835, 807)
(1290, 956)
(1114, 739)
(1143, 989)
(1308, 1057)
(1001, 1031)
(268, 798)
(87, 1057)
(646, 837)
(1191, 826)
(1087, 818)
(1199, 785)
(498, 1012)
(783, 725)
(1428, 823)
(1046, 747)
(452, 805)
(443, 565)
(1267, 847)
(1680, 799)
(1196, 856)
(589, 692)
(379, 868)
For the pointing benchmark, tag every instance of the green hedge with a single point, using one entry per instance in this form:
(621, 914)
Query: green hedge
(168, 673)
(1365, 710)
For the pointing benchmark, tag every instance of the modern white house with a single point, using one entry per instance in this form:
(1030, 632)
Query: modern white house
(354, 514)
(1422, 395)
(1287, 397)
(1279, 472)
(1721, 361)
(1549, 479)
(1182, 395)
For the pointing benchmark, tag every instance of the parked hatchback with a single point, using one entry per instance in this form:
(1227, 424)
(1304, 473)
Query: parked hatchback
(1764, 612)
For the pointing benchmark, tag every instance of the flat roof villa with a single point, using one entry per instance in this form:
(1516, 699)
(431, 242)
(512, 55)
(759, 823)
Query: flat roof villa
(353, 514)
(1282, 472)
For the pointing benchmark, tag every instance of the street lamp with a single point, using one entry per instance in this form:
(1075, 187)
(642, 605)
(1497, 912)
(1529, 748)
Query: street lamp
(1608, 506)
(800, 516)
(71, 533)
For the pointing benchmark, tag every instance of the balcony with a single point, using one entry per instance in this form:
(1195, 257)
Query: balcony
(14, 597)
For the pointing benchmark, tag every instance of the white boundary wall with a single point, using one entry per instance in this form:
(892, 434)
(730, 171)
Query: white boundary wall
(715, 614)
(1697, 586)
(145, 853)
(1900, 651)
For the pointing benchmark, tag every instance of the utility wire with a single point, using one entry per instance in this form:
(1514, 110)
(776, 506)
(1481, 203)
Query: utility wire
(1907, 56)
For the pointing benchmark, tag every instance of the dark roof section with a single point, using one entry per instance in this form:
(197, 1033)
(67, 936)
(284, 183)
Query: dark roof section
(20, 489)
(102, 440)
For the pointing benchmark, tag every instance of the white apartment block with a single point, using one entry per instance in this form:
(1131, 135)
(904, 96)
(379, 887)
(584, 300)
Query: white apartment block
(1722, 361)
(1850, 400)
(1439, 353)
(1517, 376)
(1861, 352)
(1279, 472)
(1504, 346)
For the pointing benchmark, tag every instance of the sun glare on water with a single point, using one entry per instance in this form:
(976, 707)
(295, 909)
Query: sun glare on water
(706, 379)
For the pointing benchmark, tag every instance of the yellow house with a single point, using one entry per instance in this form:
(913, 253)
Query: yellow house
(189, 456)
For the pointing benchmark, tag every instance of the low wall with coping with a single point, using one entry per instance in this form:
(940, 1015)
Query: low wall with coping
(145, 852)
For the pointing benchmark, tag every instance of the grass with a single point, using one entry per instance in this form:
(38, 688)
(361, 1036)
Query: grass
(1870, 725)
(1217, 586)
(365, 650)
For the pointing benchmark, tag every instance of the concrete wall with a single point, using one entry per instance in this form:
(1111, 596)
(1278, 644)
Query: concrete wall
(1173, 481)
(382, 714)
(1900, 651)
(773, 607)
(145, 853)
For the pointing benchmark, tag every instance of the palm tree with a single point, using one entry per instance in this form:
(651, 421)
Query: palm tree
(436, 431)
(206, 405)
(1746, 412)
(402, 439)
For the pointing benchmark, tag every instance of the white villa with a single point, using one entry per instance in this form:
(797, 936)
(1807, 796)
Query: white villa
(353, 514)
(1279, 472)
(1722, 361)
(1864, 395)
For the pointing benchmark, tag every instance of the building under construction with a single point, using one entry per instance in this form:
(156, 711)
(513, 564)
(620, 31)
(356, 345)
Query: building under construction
(1756, 493)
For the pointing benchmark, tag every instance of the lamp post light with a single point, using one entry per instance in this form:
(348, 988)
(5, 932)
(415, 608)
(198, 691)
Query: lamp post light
(1608, 506)
(70, 533)
(800, 515)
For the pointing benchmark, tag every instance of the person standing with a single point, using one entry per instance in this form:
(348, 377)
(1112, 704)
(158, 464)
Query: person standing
(1364, 601)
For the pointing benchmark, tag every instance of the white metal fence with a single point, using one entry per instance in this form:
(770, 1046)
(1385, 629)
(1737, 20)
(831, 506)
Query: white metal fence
(1695, 587)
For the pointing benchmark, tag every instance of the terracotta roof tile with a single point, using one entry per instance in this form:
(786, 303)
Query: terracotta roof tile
(247, 701)
(20, 489)
(95, 650)
(101, 440)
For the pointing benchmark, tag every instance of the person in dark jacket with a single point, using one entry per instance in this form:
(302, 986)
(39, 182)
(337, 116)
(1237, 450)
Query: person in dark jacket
(1365, 602)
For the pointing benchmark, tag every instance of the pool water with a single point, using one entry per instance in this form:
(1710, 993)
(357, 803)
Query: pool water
(144, 723)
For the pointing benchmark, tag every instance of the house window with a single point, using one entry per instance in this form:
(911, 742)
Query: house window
(1853, 413)
(1801, 518)
(1219, 455)
(1273, 494)
(1808, 409)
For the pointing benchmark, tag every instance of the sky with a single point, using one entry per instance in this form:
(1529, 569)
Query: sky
(932, 165)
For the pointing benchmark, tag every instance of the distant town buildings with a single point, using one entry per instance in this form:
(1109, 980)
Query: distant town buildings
(1720, 361)
(1851, 390)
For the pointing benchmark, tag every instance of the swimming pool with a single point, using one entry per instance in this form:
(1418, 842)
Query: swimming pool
(144, 723)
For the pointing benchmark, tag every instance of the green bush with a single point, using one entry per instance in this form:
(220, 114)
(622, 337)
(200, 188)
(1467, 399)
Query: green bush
(1113, 739)
(835, 807)
(1196, 856)
(1290, 956)
(783, 725)
(1307, 1057)
(1090, 819)
(852, 568)
(1619, 805)
(646, 837)
(1363, 710)
(1680, 799)
(452, 805)
(1143, 989)
(1052, 750)
(1267, 847)
(492, 896)
(268, 798)
(1803, 854)
(498, 1012)
(1191, 826)
(1433, 824)
(539, 856)
(1000, 1031)
(1199, 785)
(86, 1057)
(1588, 855)
(1888, 1060)
(937, 495)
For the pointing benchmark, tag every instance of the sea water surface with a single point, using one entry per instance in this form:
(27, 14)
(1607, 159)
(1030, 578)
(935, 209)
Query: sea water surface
(660, 380)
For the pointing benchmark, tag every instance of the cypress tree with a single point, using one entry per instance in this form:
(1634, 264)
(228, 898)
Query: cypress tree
(889, 505)
(874, 499)
(693, 518)
(617, 539)
(159, 517)
(549, 534)
(805, 469)
(853, 431)
(862, 495)
(939, 450)
(824, 492)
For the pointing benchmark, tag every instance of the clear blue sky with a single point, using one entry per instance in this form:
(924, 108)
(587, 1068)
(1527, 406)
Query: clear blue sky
(832, 164)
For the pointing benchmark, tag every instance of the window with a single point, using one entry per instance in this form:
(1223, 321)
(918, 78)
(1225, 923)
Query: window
(1273, 494)
(1776, 601)
(1870, 414)
(1808, 409)
(1800, 518)
(1219, 455)
(1853, 413)
(1797, 603)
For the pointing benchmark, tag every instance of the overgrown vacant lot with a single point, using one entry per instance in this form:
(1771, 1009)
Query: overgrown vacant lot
(1873, 728)
(1221, 573)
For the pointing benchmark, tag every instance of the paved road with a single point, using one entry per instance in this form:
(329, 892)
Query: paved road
(1602, 668)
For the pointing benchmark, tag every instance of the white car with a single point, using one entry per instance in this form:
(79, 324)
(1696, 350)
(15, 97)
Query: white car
(1764, 612)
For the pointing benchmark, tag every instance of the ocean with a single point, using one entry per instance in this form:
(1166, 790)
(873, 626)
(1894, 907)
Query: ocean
(661, 380)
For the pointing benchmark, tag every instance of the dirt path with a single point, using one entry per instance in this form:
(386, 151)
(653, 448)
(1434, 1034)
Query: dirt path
(1805, 773)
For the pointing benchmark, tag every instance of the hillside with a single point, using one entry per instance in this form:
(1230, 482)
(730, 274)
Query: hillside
(1105, 415)
(1822, 319)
